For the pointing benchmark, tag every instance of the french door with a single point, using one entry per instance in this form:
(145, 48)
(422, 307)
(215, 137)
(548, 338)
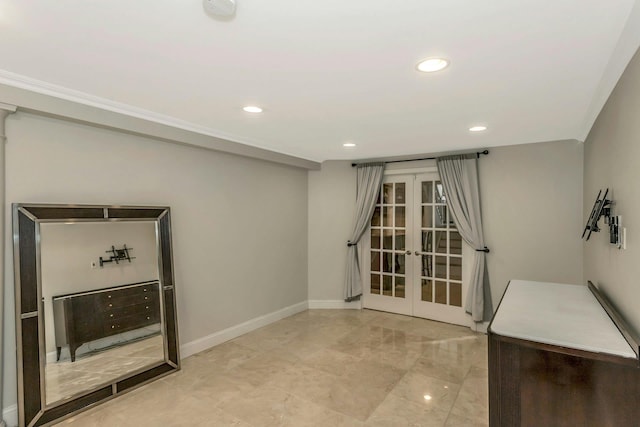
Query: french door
(417, 260)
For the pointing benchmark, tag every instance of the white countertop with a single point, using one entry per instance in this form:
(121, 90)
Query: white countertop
(559, 314)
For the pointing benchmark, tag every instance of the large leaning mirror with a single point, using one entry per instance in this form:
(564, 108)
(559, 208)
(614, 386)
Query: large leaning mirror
(95, 305)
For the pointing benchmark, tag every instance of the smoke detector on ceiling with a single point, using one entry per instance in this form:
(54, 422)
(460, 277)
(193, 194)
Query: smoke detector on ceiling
(224, 8)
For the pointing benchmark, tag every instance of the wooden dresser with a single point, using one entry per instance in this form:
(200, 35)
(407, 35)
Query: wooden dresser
(87, 316)
(560, 355)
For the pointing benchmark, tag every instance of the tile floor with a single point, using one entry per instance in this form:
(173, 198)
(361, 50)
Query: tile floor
(65, 378)
(320, 368)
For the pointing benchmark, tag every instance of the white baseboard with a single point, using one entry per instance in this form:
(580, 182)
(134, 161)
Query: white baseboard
(10, 415)
(334, 304)
(219, 337)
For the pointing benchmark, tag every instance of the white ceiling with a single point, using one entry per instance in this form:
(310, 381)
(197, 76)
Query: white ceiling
(327, 72)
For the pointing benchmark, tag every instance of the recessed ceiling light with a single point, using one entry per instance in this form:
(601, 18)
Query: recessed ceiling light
(252, 109)
(348, 145)
(224, 8)
(477, 128)
(431, 65)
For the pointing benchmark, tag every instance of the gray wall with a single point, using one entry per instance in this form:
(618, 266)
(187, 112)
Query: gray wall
(332, 194)
(532, 210)
(612, 159)
(531, 205)
(239, 225)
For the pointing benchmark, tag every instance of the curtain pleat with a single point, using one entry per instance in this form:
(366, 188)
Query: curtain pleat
(369, 181)
(459, 177)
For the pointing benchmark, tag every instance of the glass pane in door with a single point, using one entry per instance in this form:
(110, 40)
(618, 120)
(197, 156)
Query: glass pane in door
(386, 285)
(400, 240)
(389, 240)
(375, 284)
(441, 248)
(375, 238)
(399, 289)
(427, 290)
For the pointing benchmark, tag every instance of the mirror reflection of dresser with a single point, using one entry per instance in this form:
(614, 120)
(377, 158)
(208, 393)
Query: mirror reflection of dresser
(95, 305)
(84, 317)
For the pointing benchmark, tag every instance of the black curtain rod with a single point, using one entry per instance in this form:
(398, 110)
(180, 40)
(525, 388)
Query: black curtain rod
(478, 154)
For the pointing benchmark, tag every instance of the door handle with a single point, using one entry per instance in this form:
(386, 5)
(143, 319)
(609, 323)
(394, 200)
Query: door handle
(417, 253)
(408, 252)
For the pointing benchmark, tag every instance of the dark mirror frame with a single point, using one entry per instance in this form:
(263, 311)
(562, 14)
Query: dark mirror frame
(32, 408)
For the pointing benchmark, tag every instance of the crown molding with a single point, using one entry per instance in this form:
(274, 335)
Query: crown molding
(36, 96)
(8, 108)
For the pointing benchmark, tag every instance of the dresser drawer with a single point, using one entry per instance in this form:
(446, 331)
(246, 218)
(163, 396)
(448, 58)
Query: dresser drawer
(128, 296)
(128, 323)
(116, 313)
(121, 302)
(128, 292)
(87, 316)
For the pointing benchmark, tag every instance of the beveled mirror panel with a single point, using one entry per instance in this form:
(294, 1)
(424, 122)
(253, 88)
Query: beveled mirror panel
(95, 305)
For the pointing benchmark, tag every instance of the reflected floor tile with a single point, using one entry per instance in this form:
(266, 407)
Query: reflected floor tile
(397, 358)
(466, 344)
(430, 393)
(398, 412)
(473, 399)
(65, 378)
(444, 365)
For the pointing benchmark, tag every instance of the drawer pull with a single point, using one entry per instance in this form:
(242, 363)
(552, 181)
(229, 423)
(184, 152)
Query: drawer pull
(147, 307)
(148, 317)
(146, 297)
(111, 315)
(108, 296)
(113, 326)
(110, 305)
(145, 289)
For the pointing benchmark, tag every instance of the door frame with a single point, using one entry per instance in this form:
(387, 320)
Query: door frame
(410, 305)
(380, 302)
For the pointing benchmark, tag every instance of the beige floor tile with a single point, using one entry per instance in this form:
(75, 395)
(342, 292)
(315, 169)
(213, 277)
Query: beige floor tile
(460, 421)
(393, 357)
(95, 418)
(261, 369)
(319, 368)
(331, 361)
(473, 399)
(226, 356)
(398, 412)
(444, 365)
(348, 396)
(269, 406)
(431, 393)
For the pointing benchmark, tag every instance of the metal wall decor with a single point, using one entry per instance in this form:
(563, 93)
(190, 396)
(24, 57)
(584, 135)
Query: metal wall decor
(117, 255)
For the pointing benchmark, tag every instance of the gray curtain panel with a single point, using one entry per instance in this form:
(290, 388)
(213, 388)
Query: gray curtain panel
(459, 177)
(369, 181)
